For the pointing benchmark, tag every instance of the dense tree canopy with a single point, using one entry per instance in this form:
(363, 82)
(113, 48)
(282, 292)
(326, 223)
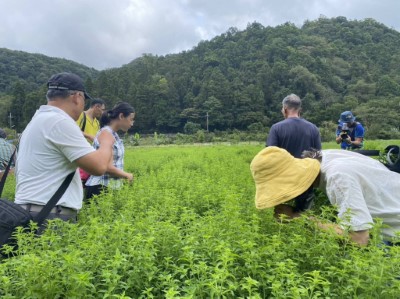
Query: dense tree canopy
(239, 78)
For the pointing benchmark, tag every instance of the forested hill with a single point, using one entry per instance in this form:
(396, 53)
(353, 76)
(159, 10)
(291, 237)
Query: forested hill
(22, 83)
(240, 78)
(33, 70)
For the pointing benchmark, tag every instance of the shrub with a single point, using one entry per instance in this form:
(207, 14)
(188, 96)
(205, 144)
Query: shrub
(191, 128)
(328, 131)
(256, 127)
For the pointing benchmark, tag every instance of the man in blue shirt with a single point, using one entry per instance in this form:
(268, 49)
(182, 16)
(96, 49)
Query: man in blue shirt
(350, 134)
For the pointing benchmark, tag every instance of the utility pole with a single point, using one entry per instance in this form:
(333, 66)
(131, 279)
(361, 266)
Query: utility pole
(10, 117)
(207, 121)
(10, 121)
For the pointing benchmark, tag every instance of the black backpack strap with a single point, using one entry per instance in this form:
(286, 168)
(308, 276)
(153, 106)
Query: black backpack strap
(83, 122)
(4, 177)
(54, 199)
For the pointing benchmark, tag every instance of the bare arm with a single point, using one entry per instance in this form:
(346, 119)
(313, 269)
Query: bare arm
(357, 141)
(97, 162)
(88, 136)
(359, 237)
(119, 173)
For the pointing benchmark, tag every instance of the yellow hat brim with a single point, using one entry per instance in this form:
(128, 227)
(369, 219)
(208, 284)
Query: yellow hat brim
(279, 177)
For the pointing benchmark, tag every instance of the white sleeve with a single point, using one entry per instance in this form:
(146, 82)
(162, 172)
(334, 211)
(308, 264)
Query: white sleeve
(68, 138)
(346, 193)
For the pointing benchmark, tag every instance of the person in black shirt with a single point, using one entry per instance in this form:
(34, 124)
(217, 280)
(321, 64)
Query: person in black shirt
(295, 134)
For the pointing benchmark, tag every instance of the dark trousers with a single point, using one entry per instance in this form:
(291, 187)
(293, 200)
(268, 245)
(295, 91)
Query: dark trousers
(304, 201)
(71, 218)
(92, 191)
(389, 243)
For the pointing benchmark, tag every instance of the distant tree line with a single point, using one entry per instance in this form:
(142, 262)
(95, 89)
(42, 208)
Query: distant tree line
(239, 79)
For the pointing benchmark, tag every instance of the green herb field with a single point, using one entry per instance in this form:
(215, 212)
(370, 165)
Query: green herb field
(188, 228)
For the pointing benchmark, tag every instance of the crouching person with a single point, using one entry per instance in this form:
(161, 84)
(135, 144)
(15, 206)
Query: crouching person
(52, 146)
(362, 188)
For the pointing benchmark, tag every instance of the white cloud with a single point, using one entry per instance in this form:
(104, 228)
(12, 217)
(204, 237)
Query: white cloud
(106, 33)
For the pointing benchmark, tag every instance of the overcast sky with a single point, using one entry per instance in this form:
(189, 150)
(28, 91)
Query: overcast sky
(109, 33)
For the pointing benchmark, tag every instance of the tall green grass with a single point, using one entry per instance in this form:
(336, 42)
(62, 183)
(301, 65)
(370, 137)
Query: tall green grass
(188, 228)
(368, 144)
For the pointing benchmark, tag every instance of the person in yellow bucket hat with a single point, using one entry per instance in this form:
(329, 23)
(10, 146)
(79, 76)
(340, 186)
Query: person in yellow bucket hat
(362, 188)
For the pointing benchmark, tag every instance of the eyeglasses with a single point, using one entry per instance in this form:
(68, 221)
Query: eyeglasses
(79, 93)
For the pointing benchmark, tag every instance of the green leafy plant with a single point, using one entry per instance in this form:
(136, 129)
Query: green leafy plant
(188, 228)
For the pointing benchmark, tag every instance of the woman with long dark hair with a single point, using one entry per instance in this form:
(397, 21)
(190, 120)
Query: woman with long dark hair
(121, 117)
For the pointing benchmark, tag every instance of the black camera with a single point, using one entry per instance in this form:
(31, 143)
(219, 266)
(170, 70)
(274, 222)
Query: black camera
(344, 134)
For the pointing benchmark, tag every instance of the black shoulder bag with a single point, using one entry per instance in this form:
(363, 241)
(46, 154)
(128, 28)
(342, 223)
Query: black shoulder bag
(13, 215)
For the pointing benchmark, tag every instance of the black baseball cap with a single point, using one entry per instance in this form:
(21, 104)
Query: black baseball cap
(67, 81)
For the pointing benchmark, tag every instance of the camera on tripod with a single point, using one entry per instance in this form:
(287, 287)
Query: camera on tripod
(344, 134)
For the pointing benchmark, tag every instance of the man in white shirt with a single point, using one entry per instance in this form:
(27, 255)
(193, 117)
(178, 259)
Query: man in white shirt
(52, 146)
(362, 188)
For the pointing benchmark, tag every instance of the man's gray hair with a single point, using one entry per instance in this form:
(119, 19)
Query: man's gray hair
(313, 154)
(292, 102)
(53, 94)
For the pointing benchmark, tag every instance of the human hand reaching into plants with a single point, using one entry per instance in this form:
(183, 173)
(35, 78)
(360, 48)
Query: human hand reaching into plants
(114, 171)
(129, 177)
(286, 210)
